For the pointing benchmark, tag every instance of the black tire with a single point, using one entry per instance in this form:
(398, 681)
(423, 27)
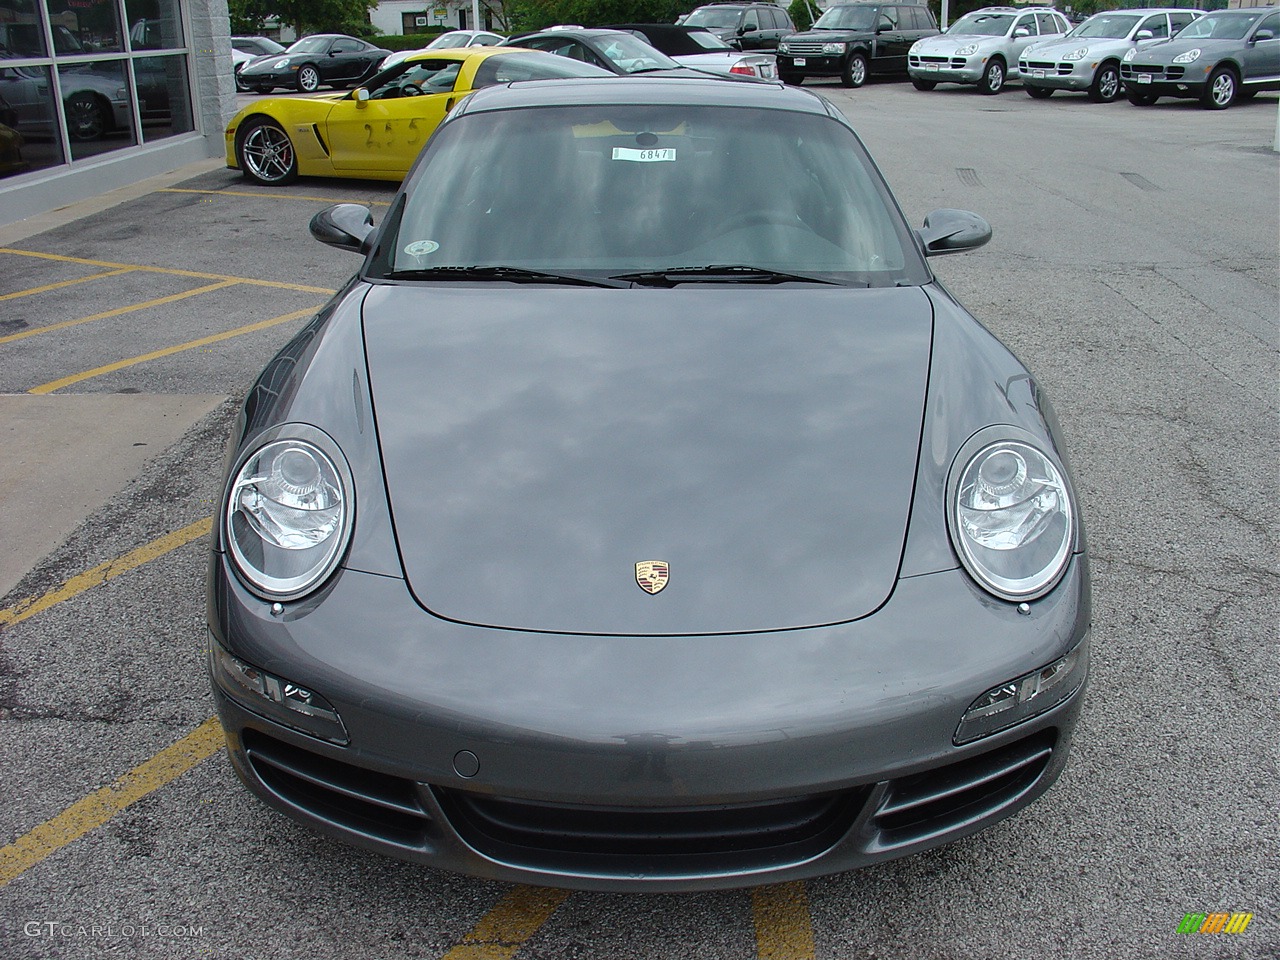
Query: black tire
(854, 73)
(1220, 89)
(1038, 93)
(88, 117)
(794, 79)
(1106, 86)
(925, 85)
(993, 77)
(308, 78)
(266, 153)
(1140, 99)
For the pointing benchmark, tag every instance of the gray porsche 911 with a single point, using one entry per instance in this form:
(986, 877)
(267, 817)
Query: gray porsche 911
(621, 526)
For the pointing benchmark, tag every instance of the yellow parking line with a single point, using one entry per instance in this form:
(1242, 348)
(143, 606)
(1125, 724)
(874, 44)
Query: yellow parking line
(784, 930)
(158, 302)
(105, 571)
(97, 808)
(168, 270)
(168, 351)
(64, 283)
(504, 930)
(275, 196)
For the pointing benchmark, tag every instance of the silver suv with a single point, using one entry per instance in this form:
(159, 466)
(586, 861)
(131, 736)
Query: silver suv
(982, 47)
(1088, 58)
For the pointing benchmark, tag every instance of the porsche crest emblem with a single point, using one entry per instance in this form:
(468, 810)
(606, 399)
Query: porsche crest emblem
(652, 575)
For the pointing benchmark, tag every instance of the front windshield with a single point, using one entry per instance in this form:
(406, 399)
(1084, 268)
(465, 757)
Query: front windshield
(981, 25)
(632, 55)
(708, 41)
(310, 45)
(846, 18)
(1227, 26)
(1105, 26)
(454, 38)
(612, 190)
(717, 18)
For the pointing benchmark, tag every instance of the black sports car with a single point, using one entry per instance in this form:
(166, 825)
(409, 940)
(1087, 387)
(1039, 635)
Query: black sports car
(621, 526)
(322, 59)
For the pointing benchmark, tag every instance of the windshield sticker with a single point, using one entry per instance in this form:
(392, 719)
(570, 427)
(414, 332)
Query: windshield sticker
(658, 155)
(420, 248)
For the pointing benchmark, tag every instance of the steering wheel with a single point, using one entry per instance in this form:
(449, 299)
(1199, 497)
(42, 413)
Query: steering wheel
(411, 90)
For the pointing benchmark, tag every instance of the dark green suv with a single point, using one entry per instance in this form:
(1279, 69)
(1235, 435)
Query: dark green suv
(747, 26)
(854, 41)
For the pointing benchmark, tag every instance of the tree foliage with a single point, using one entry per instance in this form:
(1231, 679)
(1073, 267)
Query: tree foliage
(524, 15)
(305, 16)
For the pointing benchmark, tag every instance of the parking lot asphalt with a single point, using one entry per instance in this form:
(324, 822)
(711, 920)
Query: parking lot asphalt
(1134, 268)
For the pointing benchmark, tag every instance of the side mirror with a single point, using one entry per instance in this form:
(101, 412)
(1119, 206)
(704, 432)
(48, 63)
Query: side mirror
(1021, 32)
(1143, 35)
(347, 226)
(360, 95)
(1264, 34)
(950, 231)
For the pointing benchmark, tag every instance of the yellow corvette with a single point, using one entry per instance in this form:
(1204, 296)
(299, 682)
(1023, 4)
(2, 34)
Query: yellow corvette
(377, 130)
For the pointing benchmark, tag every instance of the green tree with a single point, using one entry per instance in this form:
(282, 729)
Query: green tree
(305, 16)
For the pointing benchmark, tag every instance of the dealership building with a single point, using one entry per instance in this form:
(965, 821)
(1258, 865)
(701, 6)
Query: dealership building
(145, 87)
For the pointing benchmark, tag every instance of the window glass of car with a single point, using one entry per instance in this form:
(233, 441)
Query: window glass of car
(632, 55)
(1106, 26)
(1220, 26)
(1026, 22)
(846, 18)
(1158, 25)
(717, 18)
(888, 18)
(1046, 24)
(1272, 23)
(346, 46)
(1179, 20)
(707, 40)
(412, 78)
(310, 45)
(654, 188)
(510, 67)
(982, 25)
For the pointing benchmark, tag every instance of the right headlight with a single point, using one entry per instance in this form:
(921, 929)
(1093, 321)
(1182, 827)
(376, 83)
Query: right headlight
(968, 50)
(289, 512)
(1012, 519)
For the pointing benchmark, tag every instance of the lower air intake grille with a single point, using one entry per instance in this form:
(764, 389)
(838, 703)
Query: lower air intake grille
(374, 804)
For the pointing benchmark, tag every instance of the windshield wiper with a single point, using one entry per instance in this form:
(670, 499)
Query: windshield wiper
(721, 273)
(513, 274)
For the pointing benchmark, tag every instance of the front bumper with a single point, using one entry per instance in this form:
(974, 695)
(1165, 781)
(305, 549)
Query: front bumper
(1057, 75)
(1173, 80)
(655, 763)
(810, 66)
(946, 70)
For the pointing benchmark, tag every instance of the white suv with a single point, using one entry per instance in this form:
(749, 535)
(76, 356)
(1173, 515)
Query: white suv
(983, 47)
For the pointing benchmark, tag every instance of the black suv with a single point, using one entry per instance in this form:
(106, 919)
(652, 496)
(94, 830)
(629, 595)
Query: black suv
(747, 26)
(853, 41)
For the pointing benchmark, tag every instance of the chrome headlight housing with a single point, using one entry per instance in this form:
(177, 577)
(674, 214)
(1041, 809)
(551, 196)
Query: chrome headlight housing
(1130, 54)
(833, 48)
(1191, 56)
(1076, 54)
(1011, 515)
(968, 50)
(289, 511)
(784, 47)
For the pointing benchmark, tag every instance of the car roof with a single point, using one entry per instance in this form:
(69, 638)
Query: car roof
(648, 91)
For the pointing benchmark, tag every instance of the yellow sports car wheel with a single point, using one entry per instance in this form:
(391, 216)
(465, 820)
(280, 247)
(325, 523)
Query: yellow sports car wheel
(266, 153)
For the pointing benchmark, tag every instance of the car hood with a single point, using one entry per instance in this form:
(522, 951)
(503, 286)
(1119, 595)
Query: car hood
(1163, 51)
(948, 45)
(1097, 47)
(828, 36)
(538, 443)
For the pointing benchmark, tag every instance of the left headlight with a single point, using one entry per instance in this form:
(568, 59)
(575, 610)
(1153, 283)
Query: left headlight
(968, 50)
(1191, 56)
(1012, 519)
(289, 514)
(833, 48)
(1079, 54)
